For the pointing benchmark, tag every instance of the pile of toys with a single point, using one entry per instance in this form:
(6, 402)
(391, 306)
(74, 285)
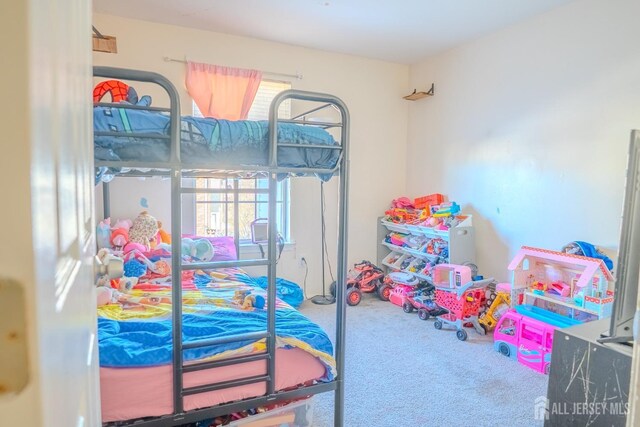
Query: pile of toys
(427, 211)
(548, 289)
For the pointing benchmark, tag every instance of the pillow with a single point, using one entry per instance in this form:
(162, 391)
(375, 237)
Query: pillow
(224, 248)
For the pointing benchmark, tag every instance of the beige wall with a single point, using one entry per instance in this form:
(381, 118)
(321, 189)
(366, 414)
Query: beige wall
(529, 128)
(371, 89)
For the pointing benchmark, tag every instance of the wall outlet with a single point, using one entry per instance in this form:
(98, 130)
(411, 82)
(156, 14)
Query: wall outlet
(303, 261)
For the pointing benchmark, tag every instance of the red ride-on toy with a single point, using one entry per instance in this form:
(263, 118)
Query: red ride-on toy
(365, 277)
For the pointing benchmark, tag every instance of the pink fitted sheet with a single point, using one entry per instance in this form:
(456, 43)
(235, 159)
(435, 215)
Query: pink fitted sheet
(129, 393)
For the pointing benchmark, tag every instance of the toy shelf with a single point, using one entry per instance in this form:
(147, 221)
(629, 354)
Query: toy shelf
(460, 241)
(415, 252)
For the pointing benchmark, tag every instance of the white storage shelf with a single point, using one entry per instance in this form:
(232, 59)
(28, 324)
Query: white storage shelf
(460, 241)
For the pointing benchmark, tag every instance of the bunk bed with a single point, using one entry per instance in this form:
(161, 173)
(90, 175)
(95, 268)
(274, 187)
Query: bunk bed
(200, 375)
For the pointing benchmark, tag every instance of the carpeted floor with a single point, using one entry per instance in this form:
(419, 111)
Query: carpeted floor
(401, 371)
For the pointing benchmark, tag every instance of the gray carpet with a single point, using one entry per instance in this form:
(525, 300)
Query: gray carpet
(401, 371)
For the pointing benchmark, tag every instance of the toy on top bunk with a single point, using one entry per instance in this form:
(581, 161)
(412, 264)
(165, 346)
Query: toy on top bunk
(119, 92)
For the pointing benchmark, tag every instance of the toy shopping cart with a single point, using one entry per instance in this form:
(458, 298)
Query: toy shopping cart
(463, 304)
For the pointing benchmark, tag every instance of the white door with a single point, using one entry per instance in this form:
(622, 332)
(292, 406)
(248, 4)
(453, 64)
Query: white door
(49, 373)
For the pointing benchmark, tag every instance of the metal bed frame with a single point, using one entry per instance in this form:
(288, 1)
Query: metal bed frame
(177, 170)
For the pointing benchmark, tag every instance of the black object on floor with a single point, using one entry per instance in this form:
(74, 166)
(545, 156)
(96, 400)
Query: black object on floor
(589, 381)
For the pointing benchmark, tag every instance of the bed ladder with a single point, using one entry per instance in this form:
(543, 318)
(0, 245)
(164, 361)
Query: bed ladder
(180, 368)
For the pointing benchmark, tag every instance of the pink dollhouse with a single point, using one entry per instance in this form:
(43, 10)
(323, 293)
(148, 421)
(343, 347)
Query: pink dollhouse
(571, 285)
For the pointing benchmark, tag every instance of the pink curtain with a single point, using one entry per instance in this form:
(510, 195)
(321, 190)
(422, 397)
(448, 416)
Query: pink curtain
(222, 92)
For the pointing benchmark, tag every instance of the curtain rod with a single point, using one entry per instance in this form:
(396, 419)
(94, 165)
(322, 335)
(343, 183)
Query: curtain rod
(272, 73)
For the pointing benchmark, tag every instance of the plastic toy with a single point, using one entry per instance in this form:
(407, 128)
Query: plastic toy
(402, 203)
(589, 283)
(425, 201)
(496, 310)
(538, 288)
(364, 277)
(400, 215)
(401, 284)
(398, 294)
(461, 297)
(451, 275)
(422, 300)
(446, 209)
(526, 335)
(560, 289)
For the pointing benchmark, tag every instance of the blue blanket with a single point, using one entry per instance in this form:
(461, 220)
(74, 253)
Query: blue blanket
(219, 142)
(136, 332)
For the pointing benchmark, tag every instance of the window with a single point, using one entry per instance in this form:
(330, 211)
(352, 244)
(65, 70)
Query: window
(215, 213)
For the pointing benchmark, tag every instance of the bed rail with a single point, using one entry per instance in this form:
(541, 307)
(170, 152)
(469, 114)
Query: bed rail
(175, 161)
(176, 170)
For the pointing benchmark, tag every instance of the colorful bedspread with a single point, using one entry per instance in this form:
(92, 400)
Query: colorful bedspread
(136, 331)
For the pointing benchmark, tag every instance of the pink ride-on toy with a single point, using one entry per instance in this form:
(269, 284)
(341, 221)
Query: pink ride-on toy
(401, 285)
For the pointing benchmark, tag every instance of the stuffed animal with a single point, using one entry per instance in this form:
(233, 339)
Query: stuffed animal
(111, 264)
(104, 296)
(103, 233)
(247, 301)
(200, 249)
(119, 238)
(123, 223)
(163, 236)
(143, 230)
(124, 284)
(134, 268)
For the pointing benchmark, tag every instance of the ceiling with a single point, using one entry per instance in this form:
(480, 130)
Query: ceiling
(403, 31)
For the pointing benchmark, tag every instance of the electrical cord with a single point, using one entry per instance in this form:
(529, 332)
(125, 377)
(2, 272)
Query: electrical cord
(324, 227)
(306, 273)
(324, 299)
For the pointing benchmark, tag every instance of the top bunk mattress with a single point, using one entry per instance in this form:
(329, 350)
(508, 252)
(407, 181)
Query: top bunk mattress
(214, 142)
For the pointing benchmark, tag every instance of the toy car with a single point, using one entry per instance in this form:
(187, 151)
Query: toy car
(422, 300)
(365, 277)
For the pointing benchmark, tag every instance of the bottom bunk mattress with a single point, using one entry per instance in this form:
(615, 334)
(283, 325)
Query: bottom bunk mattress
(131, 393)
(135, 341)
